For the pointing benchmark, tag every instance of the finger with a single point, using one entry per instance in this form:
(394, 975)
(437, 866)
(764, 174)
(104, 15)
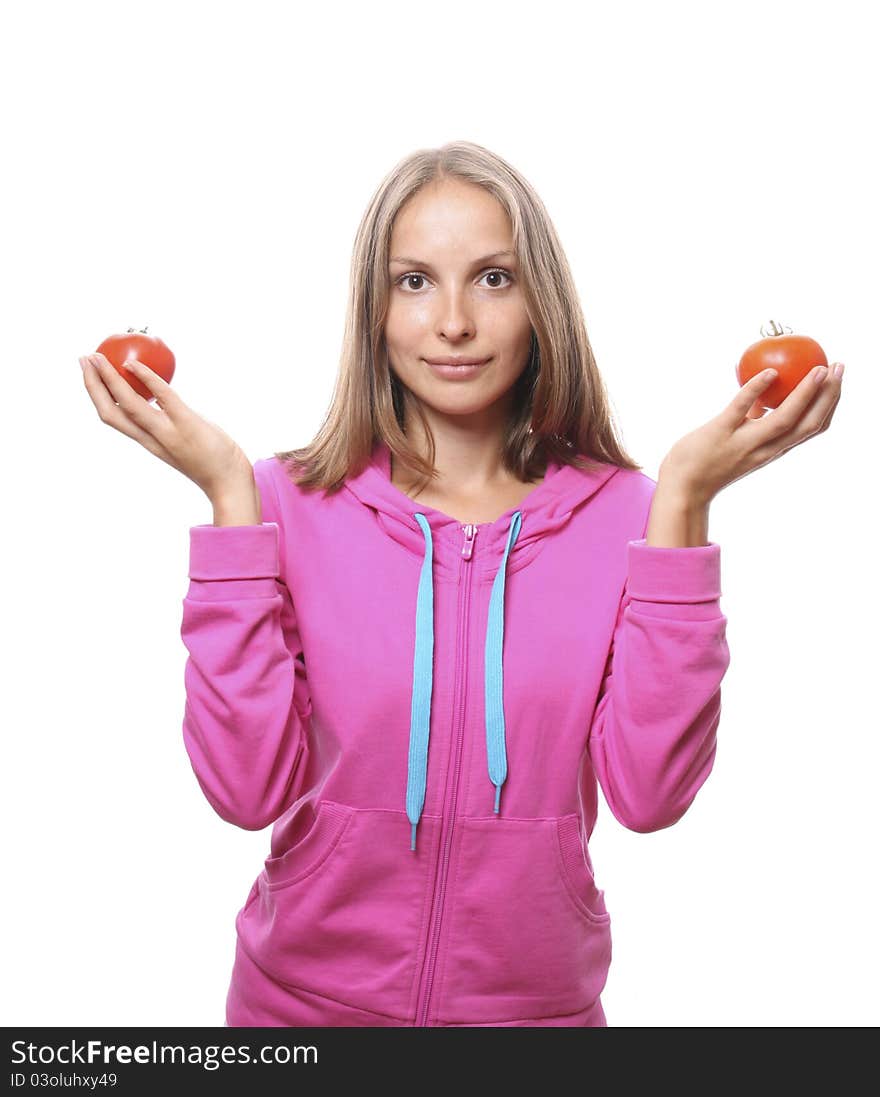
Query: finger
(814, 420)
(756, 411)
(164, 394)
(791, 411)
(746, 400)
(831, 392)
(113, 414)
(820, 412)
(131, 402)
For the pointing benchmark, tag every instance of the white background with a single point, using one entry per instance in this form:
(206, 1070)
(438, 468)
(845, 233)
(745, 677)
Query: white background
(201, 168)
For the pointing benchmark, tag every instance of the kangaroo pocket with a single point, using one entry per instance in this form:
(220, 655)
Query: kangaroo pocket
(339, 912)
(528, 932)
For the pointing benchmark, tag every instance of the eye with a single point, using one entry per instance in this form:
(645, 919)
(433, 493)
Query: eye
(417, 275)
(503, 273)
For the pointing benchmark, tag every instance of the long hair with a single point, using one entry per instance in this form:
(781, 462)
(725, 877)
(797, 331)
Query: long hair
(560, 407)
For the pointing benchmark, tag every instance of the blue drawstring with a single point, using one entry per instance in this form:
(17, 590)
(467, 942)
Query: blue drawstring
(495, 748)
(423, 680)
(423, 677)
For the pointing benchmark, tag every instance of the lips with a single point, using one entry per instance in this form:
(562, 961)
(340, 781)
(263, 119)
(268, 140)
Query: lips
(457, 371)
(461, 361)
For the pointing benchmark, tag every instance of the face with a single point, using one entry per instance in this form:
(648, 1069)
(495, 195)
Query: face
(455, 292)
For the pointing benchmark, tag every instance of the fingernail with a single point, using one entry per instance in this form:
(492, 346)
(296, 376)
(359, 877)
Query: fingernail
(820, 374)
(838, 370)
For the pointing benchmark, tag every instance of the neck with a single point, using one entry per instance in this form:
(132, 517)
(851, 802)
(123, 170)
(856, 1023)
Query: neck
(467, 454)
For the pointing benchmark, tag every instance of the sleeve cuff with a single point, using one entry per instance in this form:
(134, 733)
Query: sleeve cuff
(686, 574)
(234, 552)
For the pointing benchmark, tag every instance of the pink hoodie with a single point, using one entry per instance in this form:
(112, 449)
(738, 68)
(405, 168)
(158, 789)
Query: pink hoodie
(432, 802)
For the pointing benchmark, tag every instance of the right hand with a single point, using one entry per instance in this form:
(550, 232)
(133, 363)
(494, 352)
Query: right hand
(172, 431)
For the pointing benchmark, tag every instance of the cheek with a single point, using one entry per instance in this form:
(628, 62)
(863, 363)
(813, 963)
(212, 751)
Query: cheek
(405, 320)
(511, 331)
(509, 320)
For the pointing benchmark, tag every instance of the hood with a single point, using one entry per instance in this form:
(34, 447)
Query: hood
(440, 541)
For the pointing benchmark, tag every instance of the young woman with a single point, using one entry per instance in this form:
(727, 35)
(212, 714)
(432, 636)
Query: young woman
(420, 645)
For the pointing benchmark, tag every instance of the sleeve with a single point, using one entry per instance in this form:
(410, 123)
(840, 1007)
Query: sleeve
(247, 699)
(652, 738)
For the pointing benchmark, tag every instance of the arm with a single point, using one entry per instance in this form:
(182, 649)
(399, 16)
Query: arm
(247, 700)
(652, 739)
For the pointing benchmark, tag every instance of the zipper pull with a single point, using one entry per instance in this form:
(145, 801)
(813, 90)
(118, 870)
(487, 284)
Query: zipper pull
(470, 532)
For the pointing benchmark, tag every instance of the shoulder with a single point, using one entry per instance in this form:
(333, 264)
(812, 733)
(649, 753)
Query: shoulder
(636, 481)
(631, 492)
(637, 488)
(278, 489)
(273, 468)
(631, 484)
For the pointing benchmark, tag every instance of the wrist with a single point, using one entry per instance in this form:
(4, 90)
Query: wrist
(237, 505)
(681, 491)
(678, 518)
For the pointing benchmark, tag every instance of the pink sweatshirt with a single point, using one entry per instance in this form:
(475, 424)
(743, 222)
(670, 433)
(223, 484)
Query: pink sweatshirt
(425, 711)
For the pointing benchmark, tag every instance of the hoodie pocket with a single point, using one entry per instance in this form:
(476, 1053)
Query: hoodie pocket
(305, 857)
(576, 870)
(338, 913)
(528, 932)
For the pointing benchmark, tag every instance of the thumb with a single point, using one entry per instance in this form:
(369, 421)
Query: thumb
(162, 392)
(748, 401)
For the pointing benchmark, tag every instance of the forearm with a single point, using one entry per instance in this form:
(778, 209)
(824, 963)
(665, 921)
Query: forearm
(676, 520)
(246, 691)
(652, 740)
(238, 505)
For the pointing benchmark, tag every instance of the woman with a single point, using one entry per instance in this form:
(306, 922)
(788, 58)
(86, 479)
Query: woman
(419, 645)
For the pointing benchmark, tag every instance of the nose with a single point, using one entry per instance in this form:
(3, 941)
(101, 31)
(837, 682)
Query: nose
(455, 318)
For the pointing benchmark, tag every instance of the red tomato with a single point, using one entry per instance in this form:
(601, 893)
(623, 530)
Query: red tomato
(149, 349)
(792, 355)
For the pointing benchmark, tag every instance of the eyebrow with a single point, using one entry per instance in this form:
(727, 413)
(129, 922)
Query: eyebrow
(422, 263)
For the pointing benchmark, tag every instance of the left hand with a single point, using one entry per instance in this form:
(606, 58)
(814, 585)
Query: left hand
(741, 439)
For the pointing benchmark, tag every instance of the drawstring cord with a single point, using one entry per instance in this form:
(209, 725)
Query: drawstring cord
(423, 678)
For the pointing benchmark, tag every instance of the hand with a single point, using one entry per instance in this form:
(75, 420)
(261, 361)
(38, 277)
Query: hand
(741, 439)
(172, 431)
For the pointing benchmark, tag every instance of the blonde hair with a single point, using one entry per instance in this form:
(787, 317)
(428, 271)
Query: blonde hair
(560, 407)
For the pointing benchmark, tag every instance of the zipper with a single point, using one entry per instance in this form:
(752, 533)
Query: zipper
(439, 896)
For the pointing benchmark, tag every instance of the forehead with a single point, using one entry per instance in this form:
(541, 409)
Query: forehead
(448, 217)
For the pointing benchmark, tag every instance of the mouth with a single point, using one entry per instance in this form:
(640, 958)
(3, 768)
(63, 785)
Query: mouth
(457, 369)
